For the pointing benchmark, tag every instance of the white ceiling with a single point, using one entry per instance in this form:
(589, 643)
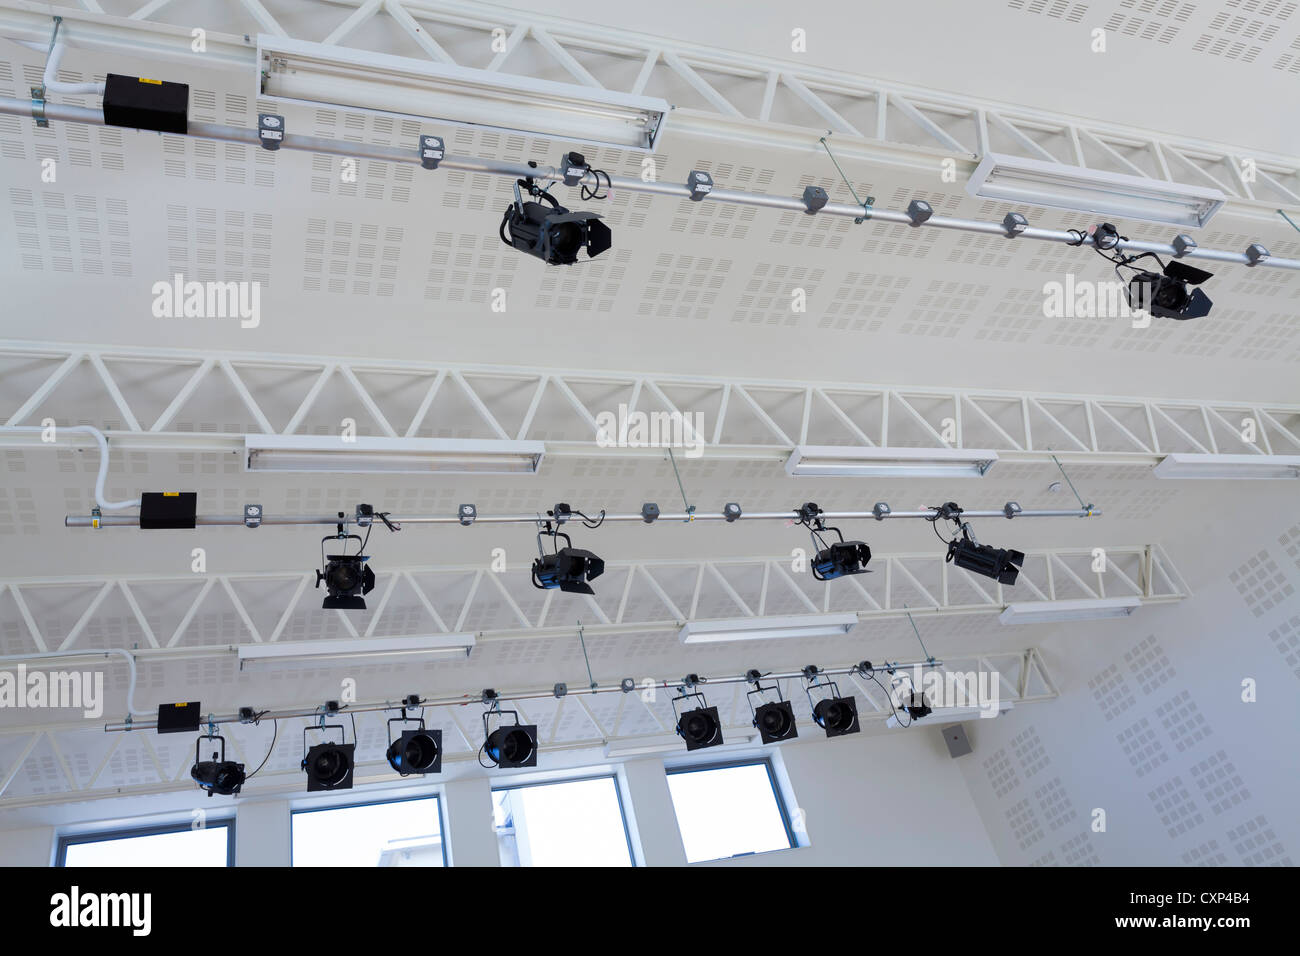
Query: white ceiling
(399, 266)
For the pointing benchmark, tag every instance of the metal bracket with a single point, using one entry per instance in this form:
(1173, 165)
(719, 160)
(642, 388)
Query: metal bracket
(432, 150)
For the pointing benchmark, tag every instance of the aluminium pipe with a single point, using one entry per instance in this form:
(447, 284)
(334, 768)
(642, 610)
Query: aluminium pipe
(315, 144)
(133, 521)
(538, 693)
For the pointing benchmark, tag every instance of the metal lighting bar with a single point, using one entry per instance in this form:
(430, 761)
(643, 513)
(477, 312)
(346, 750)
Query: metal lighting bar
(316, 144)
(1035, 182)
(757, 628)
(330, 75)
(843, 461)
(362, 455)
(1082, 609)
(538, 693)
(1228, 466)
(133, 521)
(289, 652)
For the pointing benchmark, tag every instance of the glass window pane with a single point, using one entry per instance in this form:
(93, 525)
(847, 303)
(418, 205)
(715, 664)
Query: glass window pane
(398, 833)
(205, 847)
(728, 811)
(575, 823)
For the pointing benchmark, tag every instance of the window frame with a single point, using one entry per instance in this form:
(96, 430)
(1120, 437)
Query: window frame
(349, 804)
(130, 831)
(612, 776)
(777, 795)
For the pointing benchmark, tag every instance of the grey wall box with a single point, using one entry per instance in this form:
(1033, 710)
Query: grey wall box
(957, 741)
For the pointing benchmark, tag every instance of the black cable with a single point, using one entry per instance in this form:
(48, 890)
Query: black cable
(593, 192)
(269, 750)
(592, 522)
(890, 698)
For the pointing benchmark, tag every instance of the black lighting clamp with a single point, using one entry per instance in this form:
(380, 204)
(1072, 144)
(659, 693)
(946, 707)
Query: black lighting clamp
(270, 130)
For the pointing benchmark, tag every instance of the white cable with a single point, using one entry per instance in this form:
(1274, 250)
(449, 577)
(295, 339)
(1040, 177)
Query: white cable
(102, 441)
(54, 85)
(54, 655)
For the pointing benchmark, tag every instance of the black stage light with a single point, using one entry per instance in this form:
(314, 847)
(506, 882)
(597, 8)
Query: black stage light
(700, 727)
(916, 705)
(837, 715)
(346, 577)
(568, 569)
(510, 745)
(774, 719)
(1167, 296)
(328, 766)
(841, 558)
(834, 559)
(217, 775)
(416, 751)
(551, 232)
(834, 714)
(1001, 564)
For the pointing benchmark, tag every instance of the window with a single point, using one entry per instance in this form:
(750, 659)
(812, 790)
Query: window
(729, 811)
(174, 845)
(393, 833)
(574, 823)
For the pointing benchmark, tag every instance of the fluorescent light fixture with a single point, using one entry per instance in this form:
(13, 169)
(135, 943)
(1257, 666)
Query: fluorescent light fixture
(756, 628)
(951, 715)
(1084, 609)
(334, 76)
(391, 456)
(1040, 183)
(292, 652)
(671, 743)
(851, 461)
(1228, 466)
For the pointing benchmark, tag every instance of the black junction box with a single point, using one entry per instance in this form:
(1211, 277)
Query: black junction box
(168, 509)
(141, 103)
(178, 718)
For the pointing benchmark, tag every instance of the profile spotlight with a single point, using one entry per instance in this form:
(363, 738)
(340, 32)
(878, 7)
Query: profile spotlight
(510, 745)
(699, 727)
(217, 775)
(568, 568)
(834, 714)
(837, 558)
(346, 576)
(1001, 564)
(328, 766)
(916, 705)
(414, 751)
(1166, 295)
(549, 231)
(774, 719)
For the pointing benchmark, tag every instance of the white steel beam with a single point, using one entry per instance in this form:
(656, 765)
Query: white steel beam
(1119, 430)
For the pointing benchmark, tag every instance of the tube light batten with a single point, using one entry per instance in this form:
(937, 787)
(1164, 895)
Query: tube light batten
(364, 455)
(1040, 183)
(845, 461)
(317, 74)
(762, 628)
(1260, 467)
(290, 652)
(1083, 609)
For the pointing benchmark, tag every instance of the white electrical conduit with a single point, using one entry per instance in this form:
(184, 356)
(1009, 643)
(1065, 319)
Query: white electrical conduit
(51, 80)
(52, 656)
(54, 85)
(545, 174)
(102, 441)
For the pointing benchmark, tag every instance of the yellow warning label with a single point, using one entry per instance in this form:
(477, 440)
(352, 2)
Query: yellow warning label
(154, 82)
(171, 494)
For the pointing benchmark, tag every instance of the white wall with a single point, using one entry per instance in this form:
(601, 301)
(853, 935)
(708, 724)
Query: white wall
(1151, 726)
(893, 799)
